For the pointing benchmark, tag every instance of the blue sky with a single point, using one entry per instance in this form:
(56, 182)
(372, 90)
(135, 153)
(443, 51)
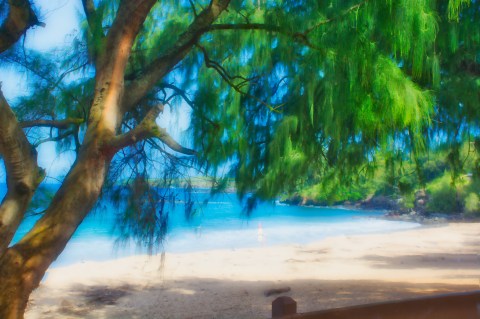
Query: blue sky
(61, 18)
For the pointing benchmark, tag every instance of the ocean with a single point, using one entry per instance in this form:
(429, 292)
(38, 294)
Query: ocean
(220, 224)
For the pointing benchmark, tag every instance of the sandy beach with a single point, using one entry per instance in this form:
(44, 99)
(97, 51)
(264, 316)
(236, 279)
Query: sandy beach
(334, 272)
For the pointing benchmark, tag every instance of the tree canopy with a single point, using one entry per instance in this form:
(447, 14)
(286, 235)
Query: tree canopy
(280, 93)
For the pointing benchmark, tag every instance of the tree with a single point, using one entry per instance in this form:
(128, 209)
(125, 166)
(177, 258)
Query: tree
(281, 89)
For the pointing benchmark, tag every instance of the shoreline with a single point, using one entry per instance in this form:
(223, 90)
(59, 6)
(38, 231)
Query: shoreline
(394, 215)
(336, 271)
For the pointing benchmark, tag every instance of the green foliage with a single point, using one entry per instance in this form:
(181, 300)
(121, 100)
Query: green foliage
(336, 99)
(454, 7)
(333, 192)
(143, 212)
(444, 197)
(329, 103)
(472, 204)
(396, 175)
(406, 184)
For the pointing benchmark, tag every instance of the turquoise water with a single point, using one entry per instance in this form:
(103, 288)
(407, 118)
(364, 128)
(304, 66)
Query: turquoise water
(221, 224)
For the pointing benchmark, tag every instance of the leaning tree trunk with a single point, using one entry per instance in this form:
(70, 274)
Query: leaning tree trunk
(23, 265)
(23, 173)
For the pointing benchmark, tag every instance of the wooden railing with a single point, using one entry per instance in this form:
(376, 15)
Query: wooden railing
(449, 306)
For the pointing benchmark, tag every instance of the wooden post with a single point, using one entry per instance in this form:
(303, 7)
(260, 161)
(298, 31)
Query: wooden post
(283, 306)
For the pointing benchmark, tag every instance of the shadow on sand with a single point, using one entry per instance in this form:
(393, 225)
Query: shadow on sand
(210, 298)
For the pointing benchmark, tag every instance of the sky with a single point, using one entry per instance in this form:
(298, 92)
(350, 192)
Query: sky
(62, 18)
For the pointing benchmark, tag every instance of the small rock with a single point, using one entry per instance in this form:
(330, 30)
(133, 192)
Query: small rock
(276, 291)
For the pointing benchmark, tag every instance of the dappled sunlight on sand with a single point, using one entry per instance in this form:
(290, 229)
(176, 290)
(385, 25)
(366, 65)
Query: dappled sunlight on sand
(334, 272)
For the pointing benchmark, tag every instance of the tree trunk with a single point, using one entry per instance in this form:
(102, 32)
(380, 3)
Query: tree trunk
(14, 293)
(23, 265)
(23, 173)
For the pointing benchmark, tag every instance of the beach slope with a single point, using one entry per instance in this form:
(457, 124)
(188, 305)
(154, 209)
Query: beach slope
(335, 272)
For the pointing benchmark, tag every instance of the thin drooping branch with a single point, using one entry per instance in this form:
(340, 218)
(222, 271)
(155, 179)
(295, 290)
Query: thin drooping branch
(229, 80)
(20, 18)
(59, 124)
(159, 67)
(180, 92)
(189, 102)
(299, 36)
(277, 29)
(166, 61)
(55, 83)
(148, 128)
(344, 13)
(57, 138)
(23, 173)
(250, 26)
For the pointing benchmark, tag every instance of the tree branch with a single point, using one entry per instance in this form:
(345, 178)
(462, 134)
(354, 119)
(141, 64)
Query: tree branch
(129, 18)
(159, 67)
(229, 80)
(166, 139)
(59, 124)
(54, 83)
(111, 63)
(148, 128)
(250, 26)
(95, 27)
(23, 173)
(190, 103)
(344, 13)
(193, 8)
(20, 18)
(57, 138)
(90, 13)
(301, 37)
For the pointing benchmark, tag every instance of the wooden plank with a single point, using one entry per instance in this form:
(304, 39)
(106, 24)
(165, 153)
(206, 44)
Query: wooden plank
(449, 306)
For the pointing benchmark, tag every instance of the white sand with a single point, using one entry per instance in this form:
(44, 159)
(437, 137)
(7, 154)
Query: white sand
(334, 272)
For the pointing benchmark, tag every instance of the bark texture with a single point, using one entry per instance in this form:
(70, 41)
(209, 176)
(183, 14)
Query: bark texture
(24, 264)
(23, 174)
